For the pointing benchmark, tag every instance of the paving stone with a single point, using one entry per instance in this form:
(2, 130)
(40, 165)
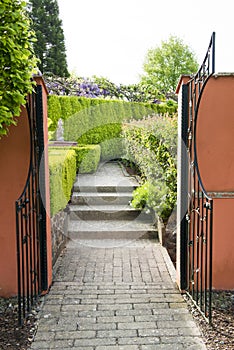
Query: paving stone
(125, 319)
(115, 306)
(153, 318)
(75, 335)
(117, 333)
(137, 325)
(118, 347)
(158, 332)
(138, 341)
(163, 347)
(82, 343)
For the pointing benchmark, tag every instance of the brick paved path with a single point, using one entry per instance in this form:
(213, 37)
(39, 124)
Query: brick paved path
(115, 296)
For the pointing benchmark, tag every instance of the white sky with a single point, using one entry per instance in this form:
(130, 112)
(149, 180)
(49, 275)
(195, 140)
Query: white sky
(110, 38)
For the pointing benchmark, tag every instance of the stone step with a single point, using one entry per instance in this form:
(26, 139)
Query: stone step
(115, 188)
(107, 212)
(110, 229)
(96, 198)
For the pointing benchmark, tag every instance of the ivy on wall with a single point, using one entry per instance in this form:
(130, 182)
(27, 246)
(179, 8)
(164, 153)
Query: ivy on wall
(17, 61)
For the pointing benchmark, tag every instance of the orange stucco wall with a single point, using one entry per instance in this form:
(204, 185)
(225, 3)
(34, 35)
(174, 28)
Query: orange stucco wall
(223, 243)
(14, 163)
(215, 153)
(215, 135)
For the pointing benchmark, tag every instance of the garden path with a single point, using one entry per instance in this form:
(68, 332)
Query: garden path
(115, 293)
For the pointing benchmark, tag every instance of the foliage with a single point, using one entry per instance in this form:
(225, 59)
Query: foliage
(87, 158)
(50, 45)
(151, 145)
(153, 195)
(62, 169)
(87, 113)
(99, 87)
(165, 64)
(94, 121)
(112, 148)
(17, 61)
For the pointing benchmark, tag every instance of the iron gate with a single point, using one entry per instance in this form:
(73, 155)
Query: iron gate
(31, 216)
(196, 226)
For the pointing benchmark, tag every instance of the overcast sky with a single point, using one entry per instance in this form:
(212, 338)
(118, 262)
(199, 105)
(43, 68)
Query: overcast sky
(110, 38)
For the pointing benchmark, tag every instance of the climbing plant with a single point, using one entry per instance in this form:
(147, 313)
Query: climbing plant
(17, 61)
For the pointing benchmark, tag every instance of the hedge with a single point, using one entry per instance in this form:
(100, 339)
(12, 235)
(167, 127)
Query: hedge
(110, 110)
(87, 158)
(93, 120)
(62, 169)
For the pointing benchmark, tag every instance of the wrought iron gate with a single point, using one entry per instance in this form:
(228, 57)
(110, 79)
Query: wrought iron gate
(196, 226)
(31, 216)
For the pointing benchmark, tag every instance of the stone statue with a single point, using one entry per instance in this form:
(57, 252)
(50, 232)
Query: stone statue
(59, 131)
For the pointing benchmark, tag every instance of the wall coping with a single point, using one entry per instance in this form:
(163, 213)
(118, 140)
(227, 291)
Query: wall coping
(223, 74)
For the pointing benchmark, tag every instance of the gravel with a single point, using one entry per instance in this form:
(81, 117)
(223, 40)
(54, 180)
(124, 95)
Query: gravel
(219, 335)
(13, 336)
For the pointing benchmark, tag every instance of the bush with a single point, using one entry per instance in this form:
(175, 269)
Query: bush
(112, 149)
(152, 145)
(87, 158)
(17, 61)
(62, 168)
(54, 112)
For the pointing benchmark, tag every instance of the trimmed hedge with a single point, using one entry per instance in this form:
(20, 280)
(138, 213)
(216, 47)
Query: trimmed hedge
(87, 158)
(111, 110)
(112, 149)
(93, 120)
(62, 169)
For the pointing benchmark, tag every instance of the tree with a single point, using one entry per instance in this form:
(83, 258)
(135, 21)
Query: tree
(165, 64)
(50, 45)
(17, 60)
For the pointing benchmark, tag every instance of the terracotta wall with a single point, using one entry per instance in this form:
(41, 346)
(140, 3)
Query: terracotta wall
(215, 134)
(215, 152)
(14, 162)
(223, 243)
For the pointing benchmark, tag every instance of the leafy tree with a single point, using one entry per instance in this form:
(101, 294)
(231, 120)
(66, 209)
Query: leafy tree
(50, 45)
(166, 63)
(17, 60)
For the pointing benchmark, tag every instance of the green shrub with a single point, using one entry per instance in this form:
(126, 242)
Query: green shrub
(62, 169)
(54, 112)
(152, 145)
(112, 149)
(154, 195)
(66, 107)
(87, 158)
(17, 61)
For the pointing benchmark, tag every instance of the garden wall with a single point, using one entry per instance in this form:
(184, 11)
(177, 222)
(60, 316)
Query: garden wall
(215, 155)
(215, 152)
(14, 160)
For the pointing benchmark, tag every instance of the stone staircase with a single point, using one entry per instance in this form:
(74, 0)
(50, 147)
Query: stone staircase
(100, 207)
